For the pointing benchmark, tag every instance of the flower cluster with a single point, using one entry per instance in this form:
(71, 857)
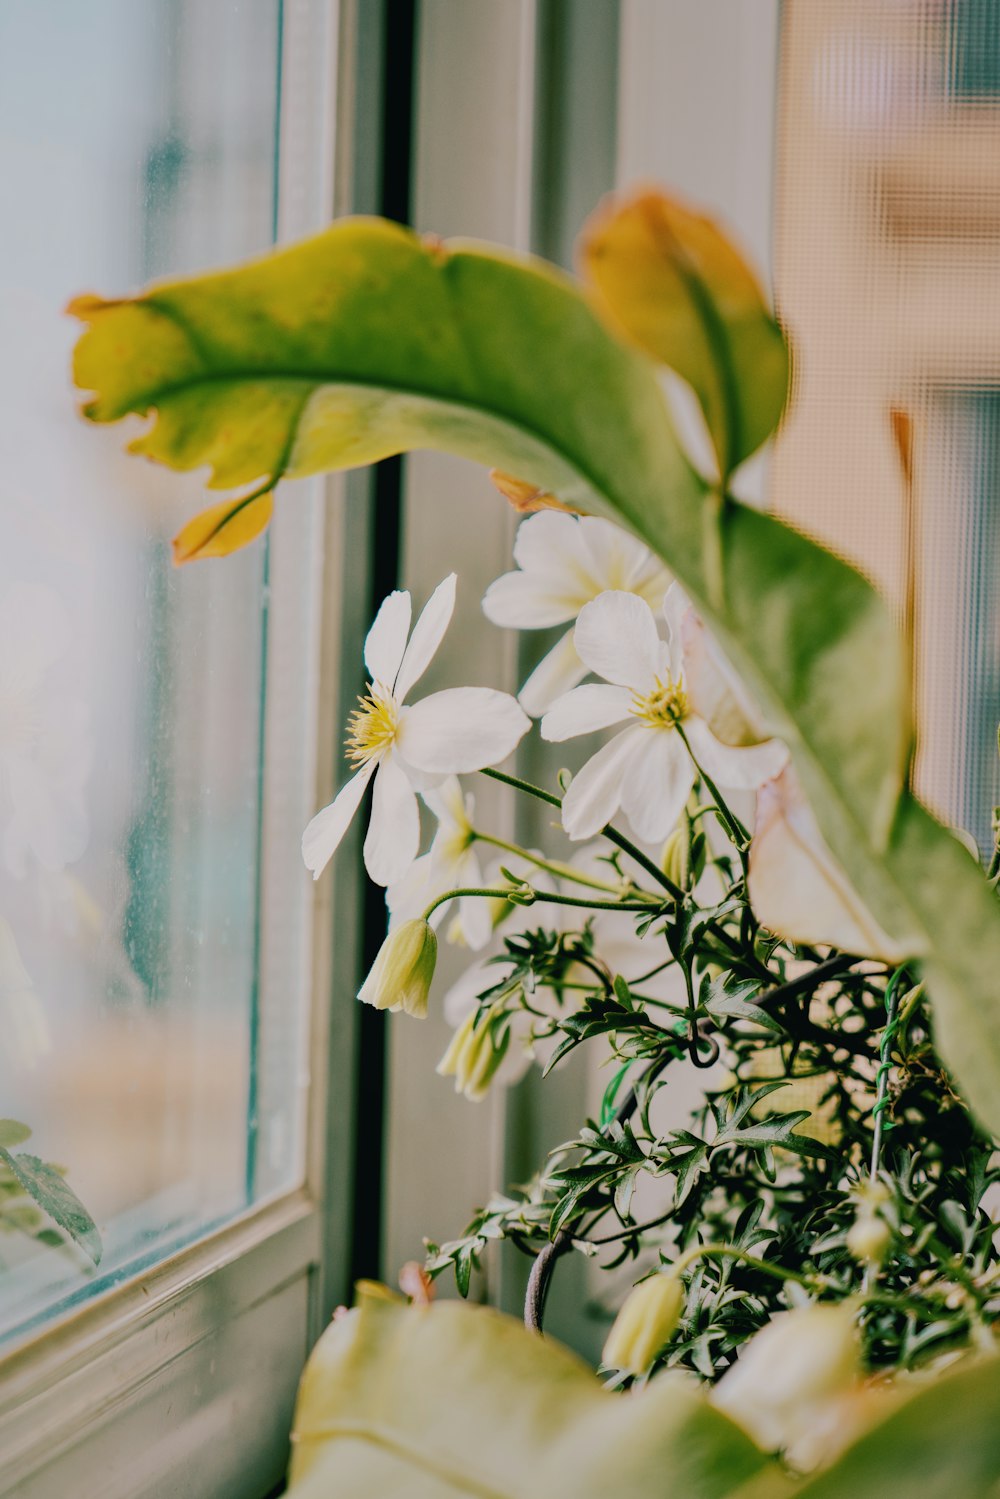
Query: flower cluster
(786, 1233)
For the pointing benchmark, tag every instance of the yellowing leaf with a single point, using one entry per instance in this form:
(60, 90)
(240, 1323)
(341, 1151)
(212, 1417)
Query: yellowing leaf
(365, 341)
(224, 528)
(452, 1399)
(524, 497)
(941, 1443)
(671, 282)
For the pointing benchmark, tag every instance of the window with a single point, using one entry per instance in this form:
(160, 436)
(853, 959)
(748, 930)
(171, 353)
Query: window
(142, 1054)
(164, 959)
(887, 252)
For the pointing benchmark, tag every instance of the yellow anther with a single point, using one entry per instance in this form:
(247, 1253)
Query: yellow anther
(371, 728)
(664, 707)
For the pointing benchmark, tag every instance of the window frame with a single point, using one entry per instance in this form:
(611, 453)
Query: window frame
(182, 1379)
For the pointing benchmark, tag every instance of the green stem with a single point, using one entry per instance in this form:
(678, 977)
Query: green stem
(612, 834)
(731, 1251)
(738, 834)
(504, 892)
(551, 866)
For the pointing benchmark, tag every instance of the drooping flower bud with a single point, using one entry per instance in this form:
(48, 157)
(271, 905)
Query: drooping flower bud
(868, 1239)
(648, 1318)
(791, 1378)
(400, 977)
(675, 861)
(473, 1056)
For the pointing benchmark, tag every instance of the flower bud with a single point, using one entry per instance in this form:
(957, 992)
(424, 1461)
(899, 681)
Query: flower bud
(400, 977)
(473, 1056)
(868, 1239)
(791, 1374)
(675, 860)
(648, 1318)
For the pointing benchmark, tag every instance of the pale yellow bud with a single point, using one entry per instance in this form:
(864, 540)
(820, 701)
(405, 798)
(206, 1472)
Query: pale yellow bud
(647, 1320)
(400, 977)
(473, 1056)
(675, 860)
(791, 1374)
(868, 1239)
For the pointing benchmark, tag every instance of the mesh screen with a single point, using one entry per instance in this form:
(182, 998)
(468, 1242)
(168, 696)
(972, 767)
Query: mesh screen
(887, 266)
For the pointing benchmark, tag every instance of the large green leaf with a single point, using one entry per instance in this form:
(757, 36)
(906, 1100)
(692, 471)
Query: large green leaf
(366, 341)
(944, 1443)
(406, 1402)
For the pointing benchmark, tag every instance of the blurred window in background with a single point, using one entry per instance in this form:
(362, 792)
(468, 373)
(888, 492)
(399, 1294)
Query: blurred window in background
(887, 264)
(141, 1041)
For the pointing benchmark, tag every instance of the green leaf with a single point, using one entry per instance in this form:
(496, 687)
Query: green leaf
(422, 1402)
(728, 998)
(366, 341)
(12, 1132)
(46, 1186)
(944, 1443)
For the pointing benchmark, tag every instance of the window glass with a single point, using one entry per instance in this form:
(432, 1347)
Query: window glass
(136, 140)
(887, 256)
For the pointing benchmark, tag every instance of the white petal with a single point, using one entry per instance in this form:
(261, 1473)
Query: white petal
(460, 729)
(616, 638)
(585, 710)
(550, 543)
(736, 769)
(796, 887)
(675, 606)
(595, 793)
(526, 601)
(477, 922)
(462, 997)
(659, 779)
(411, 895)
(394, 830)
(449, 805)
(323, 835)
(428, 632)
(616, 555)
(555, 674)
(714, 689)
(386, 640)
(650, 581)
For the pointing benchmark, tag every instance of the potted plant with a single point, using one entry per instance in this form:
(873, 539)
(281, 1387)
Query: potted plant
(753, 890)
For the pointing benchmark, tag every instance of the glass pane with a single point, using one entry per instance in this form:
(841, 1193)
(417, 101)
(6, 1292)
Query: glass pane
(887, 250)
(135, 140)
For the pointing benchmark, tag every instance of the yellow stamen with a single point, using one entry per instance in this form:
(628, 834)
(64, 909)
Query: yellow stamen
(663, 708)
(371, 728)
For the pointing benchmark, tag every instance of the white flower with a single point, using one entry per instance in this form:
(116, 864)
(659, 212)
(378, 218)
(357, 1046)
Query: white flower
(645, 770)
(565, 562)
(409, 748)
(451, 863)
(796, 887)
(45, 742)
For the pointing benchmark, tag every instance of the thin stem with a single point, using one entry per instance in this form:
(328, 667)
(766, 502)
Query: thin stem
(526, 786)
(631, 1233)
(551, 866)
(731, 1251)
(738, 834)
(807, 982)
(612, 834)
(545, 1261)
(489, 892)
